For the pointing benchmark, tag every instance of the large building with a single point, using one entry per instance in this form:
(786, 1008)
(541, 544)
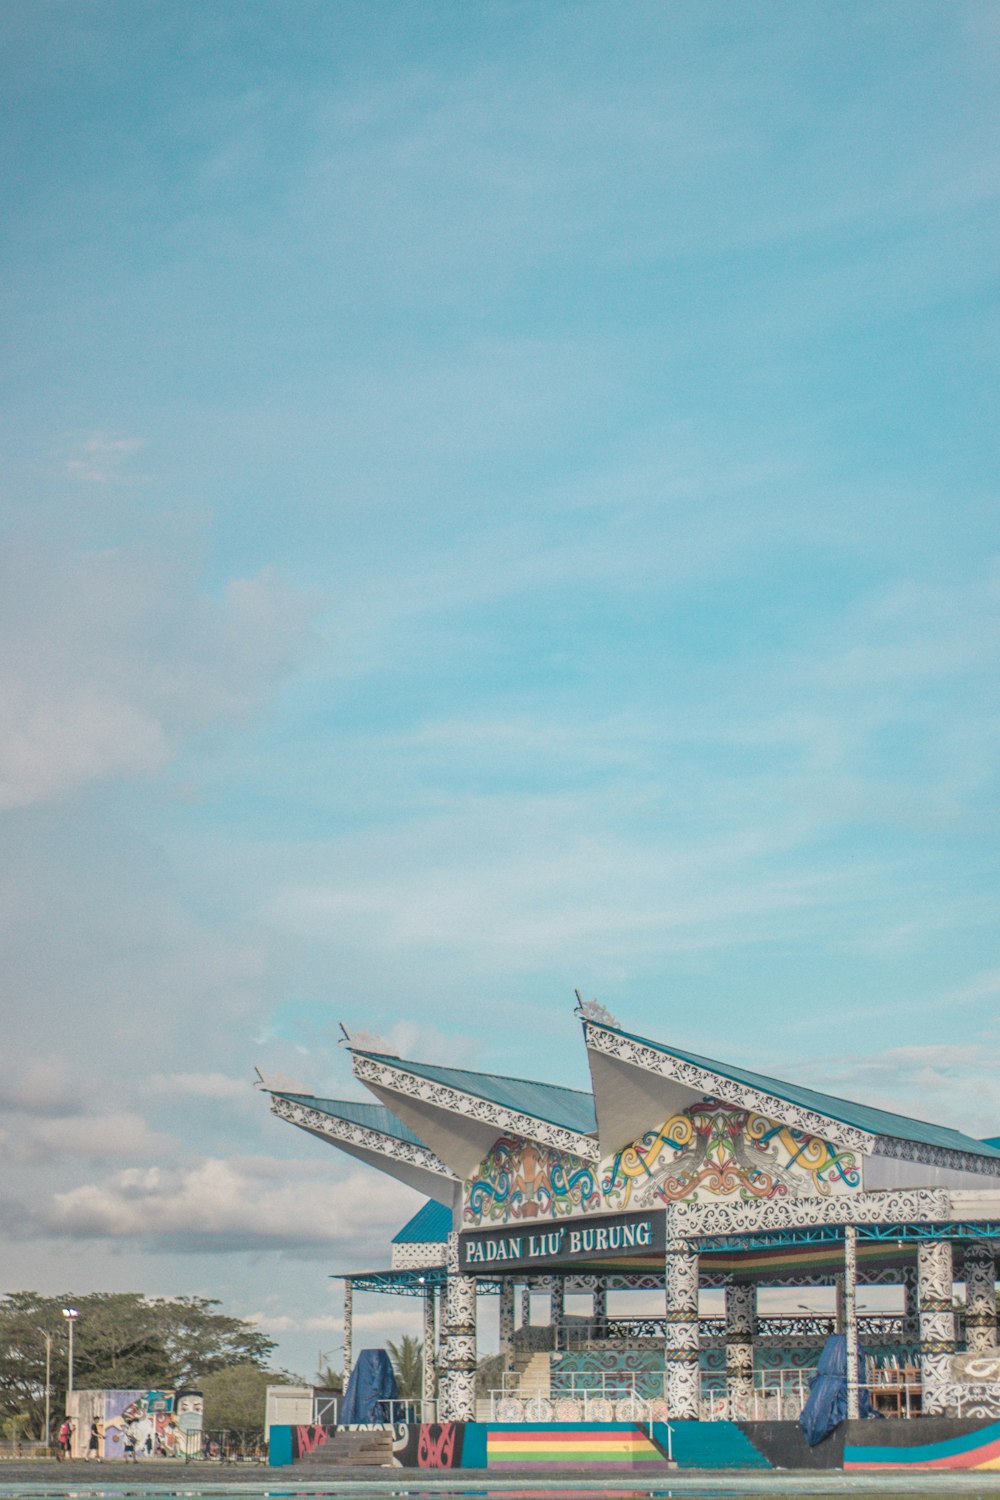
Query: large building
(673, 1172)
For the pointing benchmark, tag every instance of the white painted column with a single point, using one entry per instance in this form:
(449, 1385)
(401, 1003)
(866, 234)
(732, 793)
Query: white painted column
(460, 1373)
(348, 1330)
(741, 1299)
(851, 1320)
(980, 1297)
(937, 1322)
(683, 1375)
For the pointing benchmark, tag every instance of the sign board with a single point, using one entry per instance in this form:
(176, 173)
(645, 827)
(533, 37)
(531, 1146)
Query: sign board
(554, 1244)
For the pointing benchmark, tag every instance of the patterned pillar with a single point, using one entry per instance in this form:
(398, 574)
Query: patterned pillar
(348, 1330)
(526, 1305)
(911, 1305)
(937, 1322)
(683, 1376)
(428, 1372)
(506, 1319)
(980, 1297)
(601, 1308)
(460, 1374)
(557, 1302)
(442, 1326)
(838, 1302)
(851, 1320)
(740, 1305)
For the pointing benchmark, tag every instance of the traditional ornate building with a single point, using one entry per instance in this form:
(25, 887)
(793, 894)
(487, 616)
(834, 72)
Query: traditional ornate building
(675, 1172)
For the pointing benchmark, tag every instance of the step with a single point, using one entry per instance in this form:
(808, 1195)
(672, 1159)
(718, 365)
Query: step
(709, 1445)
(351, 1450)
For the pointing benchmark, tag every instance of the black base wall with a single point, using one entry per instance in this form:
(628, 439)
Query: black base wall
(784, 1446)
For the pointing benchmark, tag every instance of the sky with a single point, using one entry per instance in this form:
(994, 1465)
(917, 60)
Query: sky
(497, 499)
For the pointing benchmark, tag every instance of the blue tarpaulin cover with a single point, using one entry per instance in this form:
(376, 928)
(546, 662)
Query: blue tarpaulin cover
(827, 1404)
(371, 1387)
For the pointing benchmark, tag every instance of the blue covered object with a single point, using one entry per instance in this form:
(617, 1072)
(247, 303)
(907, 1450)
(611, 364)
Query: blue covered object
(370, 1389)
(827, 1404)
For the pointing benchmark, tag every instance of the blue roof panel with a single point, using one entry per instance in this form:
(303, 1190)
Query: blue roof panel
(860, 1116)
(571, 1109)
(430, 1225)
(355, 1112)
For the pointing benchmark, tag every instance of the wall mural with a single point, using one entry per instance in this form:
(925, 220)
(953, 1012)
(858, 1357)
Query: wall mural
(709, 1150)
(521, 1179)
(143, 1424)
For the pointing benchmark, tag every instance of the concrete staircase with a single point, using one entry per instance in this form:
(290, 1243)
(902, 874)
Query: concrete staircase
(536, 1376)
(350, 1450)
(709, 1445)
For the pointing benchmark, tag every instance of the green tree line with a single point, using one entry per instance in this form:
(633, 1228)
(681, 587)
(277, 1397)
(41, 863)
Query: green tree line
(121, 1341)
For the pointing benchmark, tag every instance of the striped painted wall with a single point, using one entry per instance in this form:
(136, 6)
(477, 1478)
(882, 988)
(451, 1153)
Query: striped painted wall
(599, 1445)
(970, 1450)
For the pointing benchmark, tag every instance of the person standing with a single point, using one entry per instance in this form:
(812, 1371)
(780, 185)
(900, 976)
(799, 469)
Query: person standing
(66, 1439)
(94, 1442)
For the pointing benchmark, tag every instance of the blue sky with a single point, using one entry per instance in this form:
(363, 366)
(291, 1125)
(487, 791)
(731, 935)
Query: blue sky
(498, 498)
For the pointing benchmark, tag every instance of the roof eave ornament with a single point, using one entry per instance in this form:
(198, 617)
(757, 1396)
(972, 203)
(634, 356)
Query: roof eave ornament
(365, 1041)
(593, 1010)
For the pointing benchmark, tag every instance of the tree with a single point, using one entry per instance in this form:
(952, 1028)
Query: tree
(236, 1398)
(121, 1341)
(330, 1379)
(408, 1362)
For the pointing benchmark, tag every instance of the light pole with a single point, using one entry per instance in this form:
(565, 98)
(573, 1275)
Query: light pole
(70, 1314)
(48, 1386)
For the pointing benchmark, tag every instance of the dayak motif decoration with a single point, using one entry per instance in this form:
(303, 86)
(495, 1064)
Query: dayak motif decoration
(711, 1150)
(522, 1179)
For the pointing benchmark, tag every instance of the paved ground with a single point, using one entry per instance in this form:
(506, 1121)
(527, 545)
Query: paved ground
(42, 1477)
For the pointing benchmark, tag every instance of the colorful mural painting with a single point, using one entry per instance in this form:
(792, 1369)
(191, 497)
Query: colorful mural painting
(555, 1447)
(975, 1449)
(429, 1445)
(308, 1439)
(707, 1150)
(715, 1150)
(522, 1180)
(139, 1424)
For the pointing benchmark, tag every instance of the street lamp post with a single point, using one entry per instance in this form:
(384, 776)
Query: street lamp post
(48, 1387)
(70, 1314)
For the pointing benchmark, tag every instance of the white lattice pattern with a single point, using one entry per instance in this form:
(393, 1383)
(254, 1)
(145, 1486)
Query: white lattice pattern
(384, 1075)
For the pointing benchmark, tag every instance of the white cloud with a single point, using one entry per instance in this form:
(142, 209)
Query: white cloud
(107, 658)
(116, 1136)
(949, 1083)
(200, 1086)
(102, 459)
(51, 1088)
(47, 1115)
(246, 1203)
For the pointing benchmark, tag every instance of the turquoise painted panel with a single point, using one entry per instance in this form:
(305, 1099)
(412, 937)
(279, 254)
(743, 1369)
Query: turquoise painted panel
(279, 1450)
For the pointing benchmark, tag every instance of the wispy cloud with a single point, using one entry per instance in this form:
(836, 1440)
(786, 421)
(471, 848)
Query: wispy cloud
(218, 1086)
(230, 1206)
(102, 458)
(110, 657)
(954, 1083)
